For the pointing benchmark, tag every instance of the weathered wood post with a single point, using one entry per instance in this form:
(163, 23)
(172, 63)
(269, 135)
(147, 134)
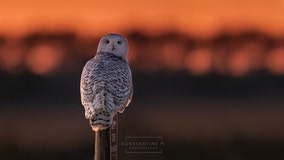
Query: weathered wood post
(106, 142)
(114, 139)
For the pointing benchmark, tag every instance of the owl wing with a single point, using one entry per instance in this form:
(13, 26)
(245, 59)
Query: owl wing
(129, 99)
(120, 85)
(86, 87)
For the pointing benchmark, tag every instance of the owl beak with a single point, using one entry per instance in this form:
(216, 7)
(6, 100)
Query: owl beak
(112, 47)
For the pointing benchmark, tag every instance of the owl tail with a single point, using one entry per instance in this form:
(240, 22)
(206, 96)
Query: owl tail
(101, 120)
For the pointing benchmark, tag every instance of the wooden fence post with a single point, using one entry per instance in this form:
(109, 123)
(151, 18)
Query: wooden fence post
(106, 142)
(114, 139)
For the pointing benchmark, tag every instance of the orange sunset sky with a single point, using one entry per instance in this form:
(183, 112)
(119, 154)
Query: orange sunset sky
(203, 18)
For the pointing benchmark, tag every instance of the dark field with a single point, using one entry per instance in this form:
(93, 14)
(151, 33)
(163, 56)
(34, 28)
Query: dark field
(191, 128)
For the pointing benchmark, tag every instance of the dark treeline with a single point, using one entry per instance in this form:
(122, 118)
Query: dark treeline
(153, 62)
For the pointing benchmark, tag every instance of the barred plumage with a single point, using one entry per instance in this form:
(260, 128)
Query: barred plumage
(106, 82)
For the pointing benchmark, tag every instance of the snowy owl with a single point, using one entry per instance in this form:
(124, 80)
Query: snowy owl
(106, 82)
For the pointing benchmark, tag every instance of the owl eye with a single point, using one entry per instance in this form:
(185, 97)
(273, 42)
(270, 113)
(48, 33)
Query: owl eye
(119, 42)
(106, 41)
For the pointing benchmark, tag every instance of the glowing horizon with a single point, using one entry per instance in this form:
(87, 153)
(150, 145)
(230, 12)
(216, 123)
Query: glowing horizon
(202, 18)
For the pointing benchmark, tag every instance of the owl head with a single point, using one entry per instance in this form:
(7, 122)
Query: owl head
(115, 44)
